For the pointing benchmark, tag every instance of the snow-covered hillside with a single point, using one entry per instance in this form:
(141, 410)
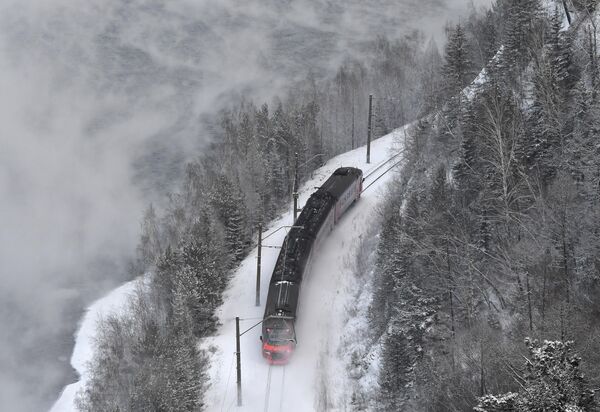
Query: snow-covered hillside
(83, 352)
(316, 374)
(315, 379)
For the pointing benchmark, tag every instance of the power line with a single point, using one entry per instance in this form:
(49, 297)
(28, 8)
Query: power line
(382, 164)
(381, 175)
(227, 384)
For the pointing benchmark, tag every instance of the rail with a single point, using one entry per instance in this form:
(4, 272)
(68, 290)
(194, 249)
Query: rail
(381, 175)
(372, 171)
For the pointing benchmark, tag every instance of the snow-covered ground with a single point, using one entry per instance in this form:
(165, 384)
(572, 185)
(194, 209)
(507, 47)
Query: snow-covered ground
(316, 377)
(83, 352)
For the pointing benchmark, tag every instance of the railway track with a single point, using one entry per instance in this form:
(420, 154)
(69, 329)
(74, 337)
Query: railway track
(374, 169)
(370, 175)
(276, 379)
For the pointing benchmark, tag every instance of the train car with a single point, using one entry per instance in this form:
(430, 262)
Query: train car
(322, 211)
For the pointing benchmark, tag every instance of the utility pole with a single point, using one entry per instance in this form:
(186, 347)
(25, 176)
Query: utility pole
(239, 361)
(369, 129)
(295, 206)
(295, 193)
(238, 354)
(352, 119)
(258, 258)
(295, 171)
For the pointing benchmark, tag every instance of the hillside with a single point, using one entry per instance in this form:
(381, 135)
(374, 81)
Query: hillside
(487, 267)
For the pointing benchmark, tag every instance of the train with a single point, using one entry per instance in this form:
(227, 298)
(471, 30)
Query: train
(319, 215)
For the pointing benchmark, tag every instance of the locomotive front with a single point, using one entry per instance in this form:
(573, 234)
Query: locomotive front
(279, 339)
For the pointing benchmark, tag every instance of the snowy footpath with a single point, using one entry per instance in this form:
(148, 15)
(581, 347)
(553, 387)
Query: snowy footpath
(316, 377)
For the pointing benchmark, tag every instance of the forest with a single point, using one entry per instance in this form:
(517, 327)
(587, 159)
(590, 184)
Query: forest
(488, 262)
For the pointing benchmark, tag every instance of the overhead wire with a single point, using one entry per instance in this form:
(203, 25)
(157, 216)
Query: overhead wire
(227, 384)
(381, 175)
(372, 171)
(282, 388)
(268, 389)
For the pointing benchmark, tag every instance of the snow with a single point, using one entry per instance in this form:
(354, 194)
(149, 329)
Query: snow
(316, 377)
(115, 302)
(474, 88)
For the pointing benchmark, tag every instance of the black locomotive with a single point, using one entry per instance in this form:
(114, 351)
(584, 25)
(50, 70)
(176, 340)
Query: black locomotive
(321, 212)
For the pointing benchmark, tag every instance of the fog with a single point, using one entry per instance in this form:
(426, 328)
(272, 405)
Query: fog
(101, 104)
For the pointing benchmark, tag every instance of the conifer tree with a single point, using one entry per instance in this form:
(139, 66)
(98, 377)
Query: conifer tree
(379, 126)
(457, 70)
(263, 125)
(490, 37)
(230, 207)
(395, 375)
(467, 170)
(275, 177)
(164, 278)
(388, 260)
(246, 130)
(457, 73)
(521, 24)
(202, 281)
(149, 248)
(553, 381)
(286, 146)
(560, 53)
(311, 129)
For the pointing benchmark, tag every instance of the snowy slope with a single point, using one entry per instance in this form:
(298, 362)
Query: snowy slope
(315, 379)
(83, 352)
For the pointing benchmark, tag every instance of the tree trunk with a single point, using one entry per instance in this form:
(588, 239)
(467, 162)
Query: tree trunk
(544, 297)
(529, 301)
